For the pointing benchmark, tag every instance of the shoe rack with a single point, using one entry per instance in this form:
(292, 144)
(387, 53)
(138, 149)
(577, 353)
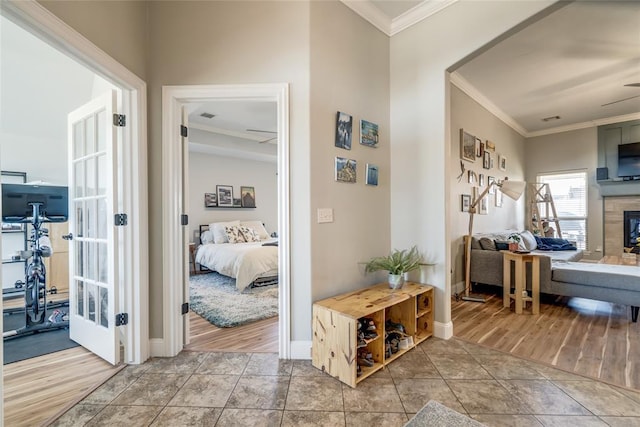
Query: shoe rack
(335, 327)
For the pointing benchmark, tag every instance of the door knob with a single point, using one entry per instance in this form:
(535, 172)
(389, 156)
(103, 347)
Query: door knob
(68, 236)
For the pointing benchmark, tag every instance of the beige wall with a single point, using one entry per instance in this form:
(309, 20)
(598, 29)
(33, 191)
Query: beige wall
(349, 73)
(420, 133)
(571, 151)
(476, 120)
(117, 27)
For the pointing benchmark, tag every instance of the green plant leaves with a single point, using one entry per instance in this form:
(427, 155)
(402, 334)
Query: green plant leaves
(397, 262)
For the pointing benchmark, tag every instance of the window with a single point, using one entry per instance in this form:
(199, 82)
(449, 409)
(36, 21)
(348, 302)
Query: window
(569, 192)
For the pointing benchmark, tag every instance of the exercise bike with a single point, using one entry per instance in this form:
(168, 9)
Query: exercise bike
(35, 290)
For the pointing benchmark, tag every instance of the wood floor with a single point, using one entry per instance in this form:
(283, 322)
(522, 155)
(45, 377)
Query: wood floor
(256, 337)
(590, 338)
(37, 389)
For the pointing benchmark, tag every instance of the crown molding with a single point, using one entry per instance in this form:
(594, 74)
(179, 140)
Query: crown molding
(370, 13)
(481, 99)
(417, 14)
(584, 125)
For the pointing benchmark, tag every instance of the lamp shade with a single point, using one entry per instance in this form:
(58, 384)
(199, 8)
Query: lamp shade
(512, 189)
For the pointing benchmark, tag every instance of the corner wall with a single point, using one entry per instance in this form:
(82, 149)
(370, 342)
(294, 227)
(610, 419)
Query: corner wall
(476, 120)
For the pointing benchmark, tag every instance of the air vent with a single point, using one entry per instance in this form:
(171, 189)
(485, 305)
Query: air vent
(549, 119)
(207, 115)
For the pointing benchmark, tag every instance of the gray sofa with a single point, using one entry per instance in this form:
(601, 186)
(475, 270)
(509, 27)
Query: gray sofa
(561, 274)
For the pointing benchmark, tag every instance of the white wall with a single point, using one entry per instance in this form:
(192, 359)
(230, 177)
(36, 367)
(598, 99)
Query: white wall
(571, 151)
(206, 171)
(420, 133)
(349, 73)
(476, 120)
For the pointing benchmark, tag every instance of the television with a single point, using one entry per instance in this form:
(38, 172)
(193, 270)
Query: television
(18, 200)
(629, 159)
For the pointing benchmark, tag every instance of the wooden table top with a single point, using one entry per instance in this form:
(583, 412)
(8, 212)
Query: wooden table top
(618, 260)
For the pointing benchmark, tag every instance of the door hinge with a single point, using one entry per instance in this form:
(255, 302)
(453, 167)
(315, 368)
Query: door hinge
(122, 319)
(185, 308)
(119, 120)
(120, 219)
(183, 131)
(184, 219)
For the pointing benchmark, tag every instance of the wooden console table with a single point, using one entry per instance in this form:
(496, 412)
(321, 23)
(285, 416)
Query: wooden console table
(520, 280)
(335, 320)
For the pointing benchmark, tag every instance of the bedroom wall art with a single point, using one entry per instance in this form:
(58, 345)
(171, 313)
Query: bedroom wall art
(210, 200)
(345, 170)
(344, 130)
(372, 174)
(368, 134)
(225, 195)
(248, 195)
(467, 146)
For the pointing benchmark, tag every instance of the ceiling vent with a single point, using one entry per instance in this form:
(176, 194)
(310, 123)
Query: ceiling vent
(207, 115)
(550, 119)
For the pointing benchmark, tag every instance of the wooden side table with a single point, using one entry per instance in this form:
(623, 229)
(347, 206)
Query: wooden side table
(520, 260)
(192, 258)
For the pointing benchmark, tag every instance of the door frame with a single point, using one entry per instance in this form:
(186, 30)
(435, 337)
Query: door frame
(174, 259)
(37, 20)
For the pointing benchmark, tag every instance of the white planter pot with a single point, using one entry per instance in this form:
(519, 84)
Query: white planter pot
(396, 281)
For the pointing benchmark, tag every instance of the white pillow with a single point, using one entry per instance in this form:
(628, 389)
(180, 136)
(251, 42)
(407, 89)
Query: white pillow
(206, 237)
(262, 232)
(529, 240)
(219, 233)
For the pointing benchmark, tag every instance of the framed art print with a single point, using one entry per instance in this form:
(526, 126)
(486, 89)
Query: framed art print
(465, 202)
(210, 200)
(345, 170)
(225, 196)
(486, 160)
(248, 196)
(502, 162)
(467, 146)
(368, 134)
(344, 130)
(372, 174)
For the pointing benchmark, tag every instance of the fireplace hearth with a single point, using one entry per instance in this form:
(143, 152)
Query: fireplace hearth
(631, 233)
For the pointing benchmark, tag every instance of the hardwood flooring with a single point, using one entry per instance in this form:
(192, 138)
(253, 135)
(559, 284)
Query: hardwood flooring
(256, 337)
(587, 337)
(37, 390)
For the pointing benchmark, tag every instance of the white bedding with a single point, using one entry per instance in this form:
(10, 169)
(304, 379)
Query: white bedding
(245, 262)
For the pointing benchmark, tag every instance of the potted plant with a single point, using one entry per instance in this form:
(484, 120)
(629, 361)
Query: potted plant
(514, 241)
(396, 263)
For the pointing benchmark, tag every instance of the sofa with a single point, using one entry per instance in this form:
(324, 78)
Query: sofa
(560, 272)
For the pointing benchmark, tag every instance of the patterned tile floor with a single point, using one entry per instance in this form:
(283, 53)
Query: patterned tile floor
(245, 389)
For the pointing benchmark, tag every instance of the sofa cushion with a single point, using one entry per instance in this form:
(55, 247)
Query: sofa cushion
(501, 245)
(487, 244)
(598, 275)
(529, 240)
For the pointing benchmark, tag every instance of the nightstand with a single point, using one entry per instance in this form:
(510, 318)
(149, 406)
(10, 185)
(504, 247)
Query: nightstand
(192, 258)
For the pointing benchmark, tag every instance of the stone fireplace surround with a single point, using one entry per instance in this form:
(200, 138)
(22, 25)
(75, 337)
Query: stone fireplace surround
(614, 207)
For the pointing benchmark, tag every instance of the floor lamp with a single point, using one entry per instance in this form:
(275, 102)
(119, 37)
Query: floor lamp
(511, 189)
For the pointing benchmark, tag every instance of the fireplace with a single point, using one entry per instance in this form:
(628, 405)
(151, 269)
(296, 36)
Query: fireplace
(631, 234)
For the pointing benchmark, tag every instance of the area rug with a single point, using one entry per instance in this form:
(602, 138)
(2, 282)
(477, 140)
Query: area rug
(215, 297)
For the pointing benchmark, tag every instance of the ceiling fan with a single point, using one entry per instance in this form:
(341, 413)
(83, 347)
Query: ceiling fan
(264, 131)
(624, 99)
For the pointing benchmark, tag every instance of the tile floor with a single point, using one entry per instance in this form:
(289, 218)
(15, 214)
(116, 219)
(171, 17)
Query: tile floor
(245, 389)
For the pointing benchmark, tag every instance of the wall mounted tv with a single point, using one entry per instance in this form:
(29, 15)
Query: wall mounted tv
(629, 159)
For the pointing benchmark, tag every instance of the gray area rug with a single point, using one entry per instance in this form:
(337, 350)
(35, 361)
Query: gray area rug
(215, 297)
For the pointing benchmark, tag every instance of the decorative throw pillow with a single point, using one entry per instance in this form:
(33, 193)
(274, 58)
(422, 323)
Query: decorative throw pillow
(219, 231)
(501, 245)
(249, 234)
(234, 235)
(258, 227)
(207, 237)
(529, 240)
(487, 244)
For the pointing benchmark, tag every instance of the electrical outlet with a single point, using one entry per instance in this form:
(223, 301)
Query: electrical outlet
(325, 215)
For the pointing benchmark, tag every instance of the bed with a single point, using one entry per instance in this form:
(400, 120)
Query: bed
(247, 262)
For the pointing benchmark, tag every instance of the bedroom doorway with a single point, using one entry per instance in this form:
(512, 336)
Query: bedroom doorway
(187, 115)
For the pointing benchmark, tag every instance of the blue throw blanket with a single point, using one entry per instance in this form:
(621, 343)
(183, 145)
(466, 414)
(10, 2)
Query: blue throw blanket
(554, 244)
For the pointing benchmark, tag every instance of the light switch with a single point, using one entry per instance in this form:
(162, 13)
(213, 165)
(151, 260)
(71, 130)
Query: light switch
(325, 215)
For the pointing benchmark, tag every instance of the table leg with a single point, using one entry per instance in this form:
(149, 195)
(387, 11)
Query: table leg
(520, 281)
(535, 285)
(506, 282)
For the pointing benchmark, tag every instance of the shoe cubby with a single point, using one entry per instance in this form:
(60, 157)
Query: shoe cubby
(339, 323)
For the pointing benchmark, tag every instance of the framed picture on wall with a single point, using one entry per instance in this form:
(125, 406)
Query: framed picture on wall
(345, 170)
(372, 174)
(498, 198)
(481, 180)
(210, 200)
(491, 180)
(368, 134)
(502, 162)
(225, 196)
(467, 146)
(248, 195)
(486, 160)
(465, 202)
(344, 130)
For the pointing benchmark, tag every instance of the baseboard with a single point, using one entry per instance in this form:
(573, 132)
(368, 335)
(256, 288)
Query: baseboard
(301, 350)
(457, 288)
(156, 347)
(443, 330)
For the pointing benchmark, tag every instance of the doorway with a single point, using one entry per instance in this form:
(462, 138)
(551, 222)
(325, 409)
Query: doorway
(176, 100)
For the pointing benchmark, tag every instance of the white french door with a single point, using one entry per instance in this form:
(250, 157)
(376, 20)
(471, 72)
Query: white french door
(92, 252)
